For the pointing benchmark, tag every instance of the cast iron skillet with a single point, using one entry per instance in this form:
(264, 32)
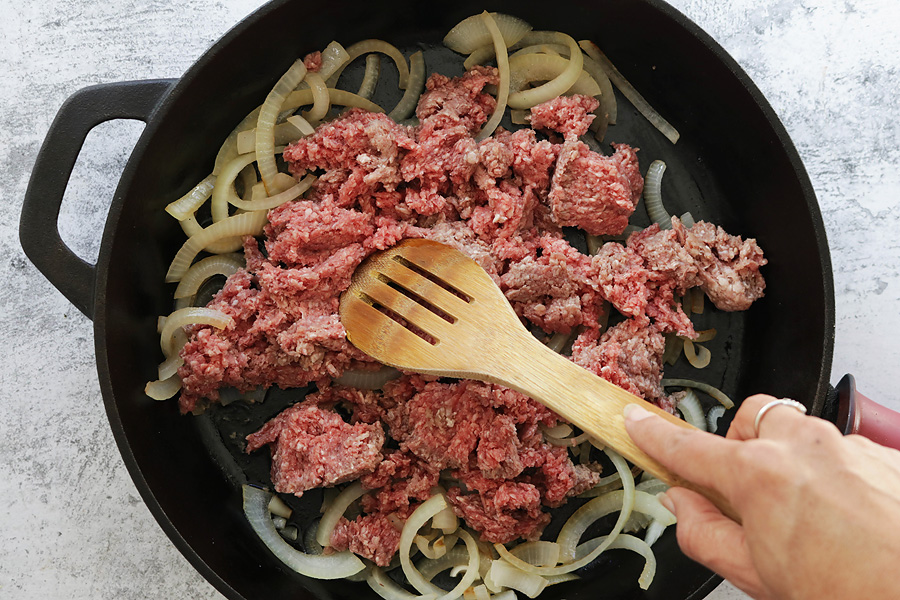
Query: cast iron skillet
(734, 166)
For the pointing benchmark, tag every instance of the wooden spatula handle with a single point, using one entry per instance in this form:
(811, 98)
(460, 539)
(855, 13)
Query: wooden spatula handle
(592, 403)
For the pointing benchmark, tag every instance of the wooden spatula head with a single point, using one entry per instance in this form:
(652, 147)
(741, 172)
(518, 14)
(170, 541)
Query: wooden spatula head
(423, 307)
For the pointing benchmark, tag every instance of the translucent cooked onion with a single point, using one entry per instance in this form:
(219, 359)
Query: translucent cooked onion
(188, 204)
(706, 334)
(568, 441)
(456, 557)
(446, 520)
(628, 542)
(223, 264)
(653, 195)
(193, 315)
(368, 47)
(423, 513)
(301, 124)
(505, 575)
(292, 193)
(388, 589)
(223, 192)
(163, 389)
(716, 393)
(471, 573)
(713, 416)
(496, 37)
(367, 380)
(250, 223)
(629, 91)
(542, 67)
(471, 33)
(170, 366)
(699, 356)
(605, 485)
(654, 531)
(321, 98)
(416, 83)
(556, 86)
(325, 566)
(538, 553)
(285, 133)
(336, 510)
(229, 151)
(370, 77)
(334, 57)
(268, 114)
(338, 97)
(276, 506)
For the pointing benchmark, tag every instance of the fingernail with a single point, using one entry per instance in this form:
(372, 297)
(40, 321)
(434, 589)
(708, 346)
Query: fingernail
(635, 413)
(666, 502)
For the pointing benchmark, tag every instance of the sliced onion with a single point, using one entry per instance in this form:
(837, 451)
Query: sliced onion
(188, 204)
(193, 315)
(370, 77)
(292, 193)
(697, 302)
(163, 389)
(265, 125)
(338, 97)
(431, 548)
(570, 442)
(228, 151)
(170, 366)
(559, 431)
(446, 520)
(713, 416)
(416, 83)
(653, 195)
(654, 531)
(380, 46)
(628, 90)
(505, 575)
(549, 48)
(556, 86)
(674, 346)
(224, 193)
(388, 589)
(688, 220)
(538, 553)
(628, 542)
(301, 124)
(285, 133)
(423, 513)
(472, 572)
(336, 510)
(716, 393)
(699, 356)
(558, 341)
(250, 223)
(367, 379)
(326, 566)
(223, 264)
(321, 98)
(651, 485)
(472, 33)
(276, 506)
(605, 485)
(543, 67)
(497, 38)
(456, 557)
(334, 57)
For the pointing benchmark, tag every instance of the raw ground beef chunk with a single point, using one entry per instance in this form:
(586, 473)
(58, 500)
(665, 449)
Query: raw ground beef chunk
(312, 447)
(568, 115)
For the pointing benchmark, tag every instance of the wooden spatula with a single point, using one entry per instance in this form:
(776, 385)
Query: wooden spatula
(426, 307)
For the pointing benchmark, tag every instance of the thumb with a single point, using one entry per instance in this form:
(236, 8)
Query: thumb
(712, 539)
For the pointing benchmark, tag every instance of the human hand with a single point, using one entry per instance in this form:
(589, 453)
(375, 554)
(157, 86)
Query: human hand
(820, 511)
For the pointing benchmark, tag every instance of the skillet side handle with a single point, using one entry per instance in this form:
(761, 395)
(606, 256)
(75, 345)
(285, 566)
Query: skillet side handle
(860, 415)
(38, 230)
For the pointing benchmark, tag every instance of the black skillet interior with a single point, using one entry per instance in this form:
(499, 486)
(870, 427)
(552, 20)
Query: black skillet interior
(734, 166)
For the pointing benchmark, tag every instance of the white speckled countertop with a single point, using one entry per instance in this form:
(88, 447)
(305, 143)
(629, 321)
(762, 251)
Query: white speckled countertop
(71, 522)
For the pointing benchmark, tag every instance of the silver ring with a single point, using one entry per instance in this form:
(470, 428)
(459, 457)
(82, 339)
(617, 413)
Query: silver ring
(773, 404)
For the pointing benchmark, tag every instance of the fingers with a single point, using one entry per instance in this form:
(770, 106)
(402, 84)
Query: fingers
(712, 539)
(696, 456)
(779, 422)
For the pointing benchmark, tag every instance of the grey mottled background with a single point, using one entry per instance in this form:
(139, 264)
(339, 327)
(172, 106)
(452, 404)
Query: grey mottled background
(71, 522)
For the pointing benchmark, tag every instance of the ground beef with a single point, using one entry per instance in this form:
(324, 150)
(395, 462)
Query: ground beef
(313, 61)
(728, 266)
(568, 115)
(503, 201)
(628, 355)
(312, 447)
(595, 192)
